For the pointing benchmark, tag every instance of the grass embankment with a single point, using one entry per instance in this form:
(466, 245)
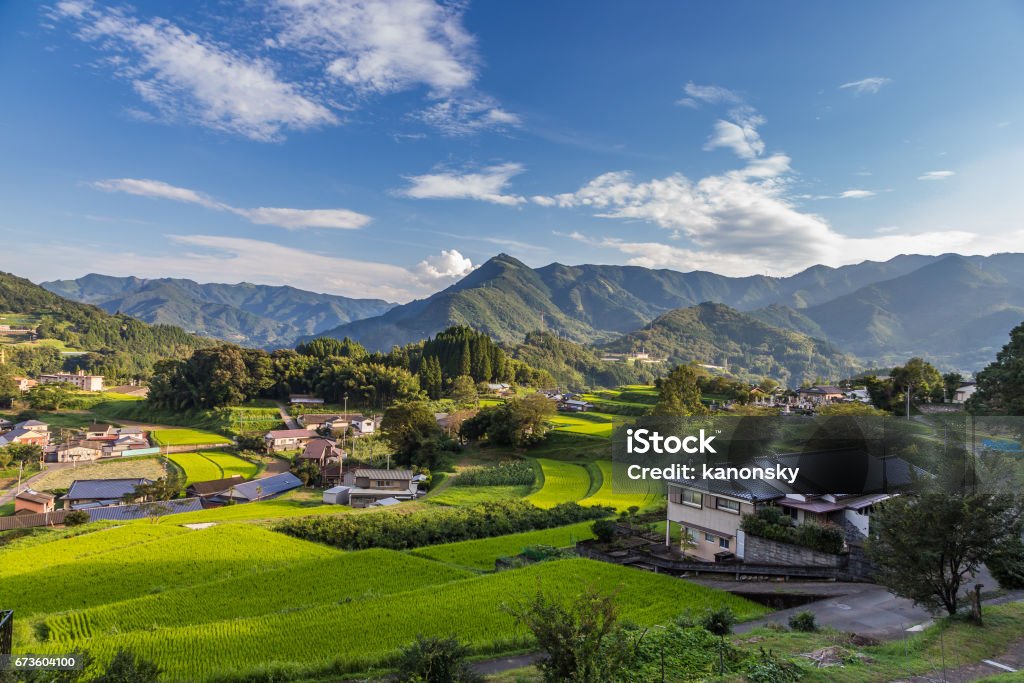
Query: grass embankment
(481, 554)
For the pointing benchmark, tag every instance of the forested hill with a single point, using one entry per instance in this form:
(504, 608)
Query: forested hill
(718, 335)
(253, 315)
(118, 346)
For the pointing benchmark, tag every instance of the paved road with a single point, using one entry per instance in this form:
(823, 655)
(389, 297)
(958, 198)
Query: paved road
(7, 495)
(289, 421)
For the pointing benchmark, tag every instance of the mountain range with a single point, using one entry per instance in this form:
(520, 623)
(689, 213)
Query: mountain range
(244, 313)
(954, 310)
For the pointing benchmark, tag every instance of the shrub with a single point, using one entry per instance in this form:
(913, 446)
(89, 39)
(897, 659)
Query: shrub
(604, 530)
(770, 669)
(403, 530)
(76, 517)
(774, 524)
(436, 660)
(803, 621)
(125, 667)
(508, 473)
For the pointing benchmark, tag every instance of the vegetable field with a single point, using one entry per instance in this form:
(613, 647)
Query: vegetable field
(482, 553)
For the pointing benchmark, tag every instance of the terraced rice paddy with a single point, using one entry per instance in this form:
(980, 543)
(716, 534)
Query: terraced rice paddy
(208, 465)
(186, 437)
(564, 482)
(482, 553)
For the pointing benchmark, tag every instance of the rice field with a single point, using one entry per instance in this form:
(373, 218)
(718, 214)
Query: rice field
(642, 494)
(482, 553)
(186, 437)
(588, 424)
(564, 482)
(209, 465)
(353, 635)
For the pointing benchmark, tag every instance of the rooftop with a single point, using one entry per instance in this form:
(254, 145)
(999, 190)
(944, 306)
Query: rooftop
(383, 474)
(102, 489)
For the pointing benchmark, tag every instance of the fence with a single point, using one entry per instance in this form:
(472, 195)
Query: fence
(28, 521)
(6, 631)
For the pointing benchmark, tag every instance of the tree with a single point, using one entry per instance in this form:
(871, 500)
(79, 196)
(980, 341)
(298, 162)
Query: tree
(164, 488)
(306, 470)
(719, 623)
(76, 518)
(575, 635)
(436, 660)
(951, 381)
(1000, 386)
(126, 667)
(679, 393)
(407, 425)
(463, 391)
(919, 378)
(24, 452)
(50, 396)
(927, 545)
(430, 377)
(518, 422)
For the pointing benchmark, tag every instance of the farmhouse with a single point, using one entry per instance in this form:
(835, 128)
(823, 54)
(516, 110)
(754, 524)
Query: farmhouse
(77, 451)
(287, 439)
(372, 485)
(574, 406)
(87, 493)
(101, 432)
(259, 489)
(33, 502)
(213, 487)
(321, 451)
(24, 383)
(317, 420)
(709, 511)
(79, 379)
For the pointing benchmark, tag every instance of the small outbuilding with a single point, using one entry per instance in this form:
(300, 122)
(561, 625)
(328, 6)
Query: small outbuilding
(337, 495)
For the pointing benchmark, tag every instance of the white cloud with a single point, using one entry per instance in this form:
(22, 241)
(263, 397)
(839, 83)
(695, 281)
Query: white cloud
(739, 136)
(936, 175)
(468, 115)
(288, 218)
(183, 76)
(867, 86)
(488, 184)
(856, 194)
(384, 46)
(448, 266)
(711, 94)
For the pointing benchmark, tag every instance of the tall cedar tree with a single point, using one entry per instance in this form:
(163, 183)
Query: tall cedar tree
(679, 393)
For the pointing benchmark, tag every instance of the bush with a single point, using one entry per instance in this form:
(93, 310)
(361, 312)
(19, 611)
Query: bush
(803, 621)
(403, 530)
(604, 530)
(775, 525)
(436, 660)
(125, 667)
(770, 669)
(76, 517)
(508, 473)
(1006, 563)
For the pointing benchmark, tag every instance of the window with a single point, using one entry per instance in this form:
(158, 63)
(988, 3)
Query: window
(724, 543)
(692, 498)
(710, 538)
(730, 505)
(381, 483)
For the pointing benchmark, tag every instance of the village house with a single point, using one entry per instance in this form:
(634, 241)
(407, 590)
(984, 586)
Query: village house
(710, 511)
(101, 432)
(213, 487)
(287, 439)
(322, 452)
(317, 420)
(258, 489)
(964, 392)
(819, 395)
(77, 451)
(33, 502)
(371, 485)
(24, 383)
(574, 406)
(79, 379)
(87, 493)
(29, 432)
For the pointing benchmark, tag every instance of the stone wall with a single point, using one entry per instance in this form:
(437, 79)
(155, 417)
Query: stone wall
(759, 550)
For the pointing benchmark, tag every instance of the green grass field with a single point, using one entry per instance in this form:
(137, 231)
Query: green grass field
(355, 634)
(564, 482)
(186, 437)
(209, 465)
(589, 424)
(481, 553)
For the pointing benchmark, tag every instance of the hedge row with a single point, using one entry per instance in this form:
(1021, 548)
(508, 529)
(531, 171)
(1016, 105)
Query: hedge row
(403, 530)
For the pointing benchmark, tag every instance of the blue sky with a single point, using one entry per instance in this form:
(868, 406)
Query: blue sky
(385, 148)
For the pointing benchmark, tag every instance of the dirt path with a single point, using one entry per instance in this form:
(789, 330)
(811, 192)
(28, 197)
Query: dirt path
(289, 421)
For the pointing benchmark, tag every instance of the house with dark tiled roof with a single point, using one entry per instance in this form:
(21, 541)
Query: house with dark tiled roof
(259, 489)
(87, 493)
(710, 511)
(371, 485)
(288, 439)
